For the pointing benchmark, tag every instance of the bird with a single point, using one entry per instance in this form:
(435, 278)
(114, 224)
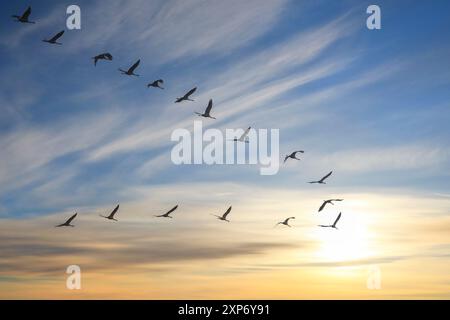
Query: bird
(130, 71)
(186, 96)
(224, 216)
(67, 223)
(243, 137)
(102, 56)
(332, 225)
(206, 114)
(156, 84)
(24, 17)
(167, 214)
(321, 181)
(293, 155)
(111, 215)
(325, 202)
(54, 39)
(285, 222)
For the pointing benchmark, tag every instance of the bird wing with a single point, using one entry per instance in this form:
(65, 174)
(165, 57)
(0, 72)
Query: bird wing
(285, 158)
(71, 218)
(287, 220)
(134, 66)
(337, 200)
(226, 212)
(323, 206)
(161, 81)
(111, 215)
(329, 174)
(337, 219)
(245, 133)
(171, 210)
(26, 14)
(299, 151)
(57, 36)
(190, 92)
(108, 56)
(209, 107)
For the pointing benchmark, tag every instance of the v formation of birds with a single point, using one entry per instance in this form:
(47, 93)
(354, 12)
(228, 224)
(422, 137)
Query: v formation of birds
(24, 18)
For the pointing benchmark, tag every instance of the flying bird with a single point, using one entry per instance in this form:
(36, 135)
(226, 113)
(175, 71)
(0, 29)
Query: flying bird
(111, 215)
(167, 214)
(325, 202)
(186, 96)
(54, 39)
(332, 225)
(207, 112)
(321, 181)
(102, 56)
(285, 222)
(24, 17)
(156, 84)
(243, 137)
(224, 216)
(293, 155)
(130, 71)
(67, 223)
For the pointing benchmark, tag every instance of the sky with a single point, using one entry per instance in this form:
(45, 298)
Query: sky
(371, 105)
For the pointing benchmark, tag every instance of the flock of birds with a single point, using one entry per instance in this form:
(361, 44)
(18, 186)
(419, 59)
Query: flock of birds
(24, 18)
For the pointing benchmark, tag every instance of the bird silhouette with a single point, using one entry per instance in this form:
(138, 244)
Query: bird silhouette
(156, 84)
(111, 215)
(293, 155)
(186, 96)
(130, 71)
(167, 214)
(285, 222)
(207, 112)
(102, 56)
(243, 137)
(325, 202)
(67, 223)
(224, 216)
(332, 225)
(24, 17)
(54, 39)
(321, 181)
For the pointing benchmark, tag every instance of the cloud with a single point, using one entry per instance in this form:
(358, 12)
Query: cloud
(168, 31)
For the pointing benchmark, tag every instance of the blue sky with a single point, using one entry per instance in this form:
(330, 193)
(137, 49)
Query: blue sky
(65, 123)
(371, 105)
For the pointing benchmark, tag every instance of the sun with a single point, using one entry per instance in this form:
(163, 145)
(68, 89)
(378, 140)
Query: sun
(349, 242)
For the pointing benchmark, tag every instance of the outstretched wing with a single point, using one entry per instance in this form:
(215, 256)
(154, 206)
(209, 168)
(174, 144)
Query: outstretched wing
(287, 220)
(111, 215)
(337, 219)
(71, 218)
(245, 133)
(190, 92)
(134, 66)
(329, 174)
(323, 206)
(57, 36)
(299, 151)
(108, 56)
(171, 210)
(226, 213)
(26, 14)
(285, 158)
(209, 107)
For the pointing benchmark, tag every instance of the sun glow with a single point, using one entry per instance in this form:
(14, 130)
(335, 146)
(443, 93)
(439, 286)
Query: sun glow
(349, 242)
